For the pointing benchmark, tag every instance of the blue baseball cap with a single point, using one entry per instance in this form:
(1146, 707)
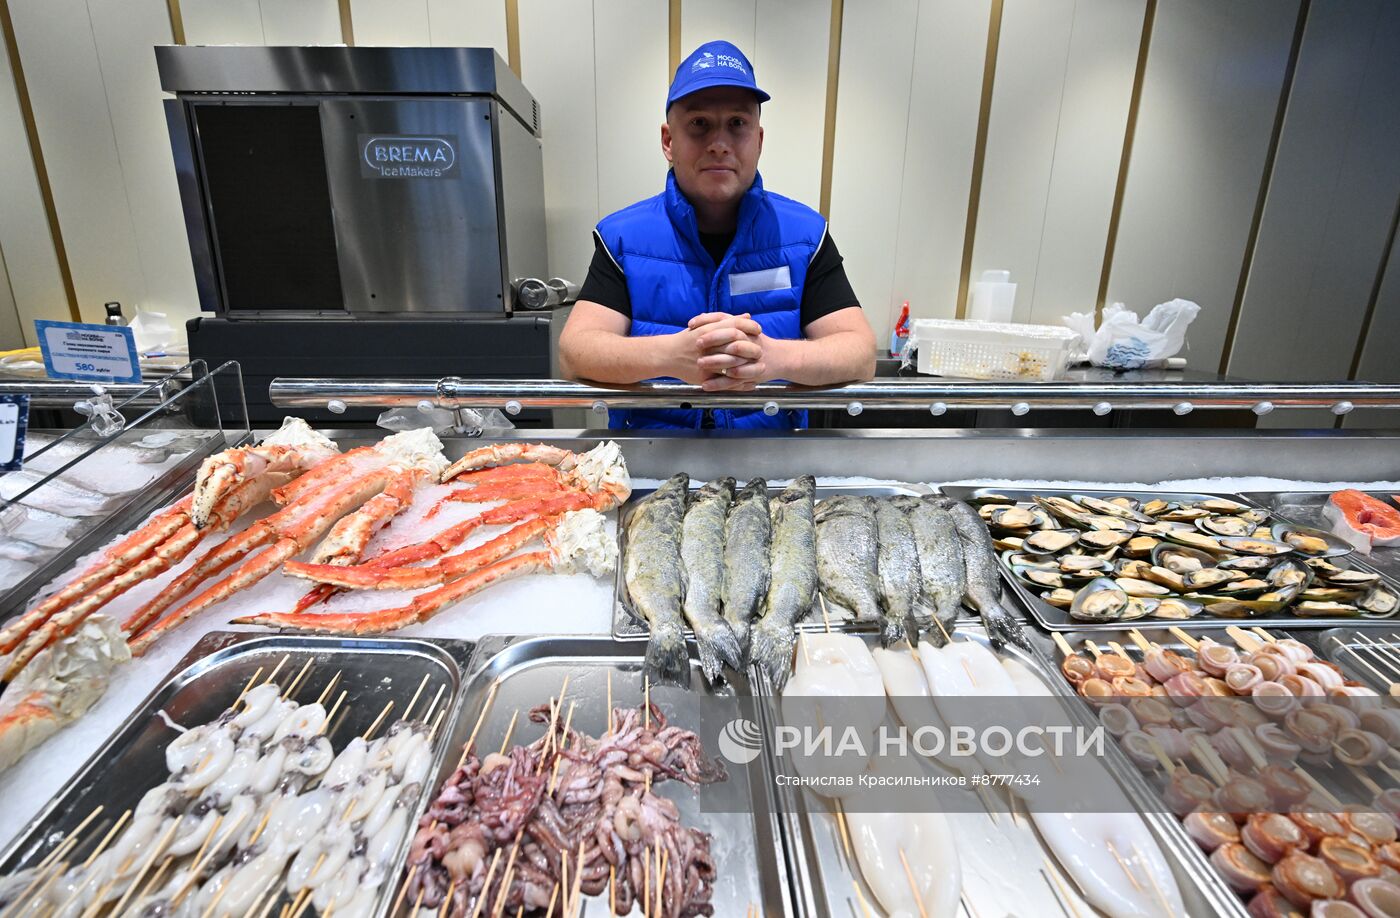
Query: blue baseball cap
(715, 63)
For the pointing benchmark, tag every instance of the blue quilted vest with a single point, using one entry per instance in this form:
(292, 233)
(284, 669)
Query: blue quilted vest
(671, 278)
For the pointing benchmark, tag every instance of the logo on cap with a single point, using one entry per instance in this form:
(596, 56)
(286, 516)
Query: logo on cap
(706, 59)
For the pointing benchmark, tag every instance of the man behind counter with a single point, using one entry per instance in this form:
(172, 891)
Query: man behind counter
(715, 281)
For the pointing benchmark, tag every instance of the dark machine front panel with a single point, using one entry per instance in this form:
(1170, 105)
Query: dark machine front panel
(413, 188)
(271, 212)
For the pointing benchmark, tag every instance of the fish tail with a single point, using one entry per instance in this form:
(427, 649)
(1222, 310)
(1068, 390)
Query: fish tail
(891, 630)
(741, 629)
(772, 644)
(718, 647)
(1002, 627)
(666, 659)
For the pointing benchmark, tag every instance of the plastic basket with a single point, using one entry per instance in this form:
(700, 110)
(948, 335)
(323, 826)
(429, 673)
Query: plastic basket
(992, 350)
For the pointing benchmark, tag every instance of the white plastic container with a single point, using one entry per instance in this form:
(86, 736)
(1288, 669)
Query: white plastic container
(992, 350)
(993, 298)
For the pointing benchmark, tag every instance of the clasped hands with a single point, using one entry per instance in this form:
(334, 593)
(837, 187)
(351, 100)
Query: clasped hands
(729, 352)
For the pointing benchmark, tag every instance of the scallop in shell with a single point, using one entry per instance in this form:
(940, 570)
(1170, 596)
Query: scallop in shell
(1100, 600)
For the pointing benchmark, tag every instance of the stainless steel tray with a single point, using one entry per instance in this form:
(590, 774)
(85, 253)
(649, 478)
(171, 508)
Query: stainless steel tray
(627, 627)
(1055, 619)
(1372, 657)
(371, 673)
(1306, 507)
(826, 882)
(528, 671)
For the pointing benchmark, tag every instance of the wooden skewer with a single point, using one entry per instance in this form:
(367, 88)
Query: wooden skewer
(71, 836)
(102, 845)
(303, 900)
(150, 859)
(467, 747)
(1124, 865)
(1388, 770)
(845, 832)
(826, 619)
(1118, 649)
(509, 730)
(277, 669)
(273, 895)
(860, 897)
(806, 655)
(1181, 635)
(1331, 797)
(1152, 878)
(1093, 649)
(60, 868)
(1251, 749)
(301, 674)
(520, 911)
(948, 637)
(552, 897)
(913, 887)
(1248, 642)
(330, 687)
(377, 721)
(198, 866)
(612, 889)
(403, 890)
(1365, 780)
(1394, 689)
(608, 731)
(505, 880)
(413, 702)
(1061, 643)
(578, 881)
(1387, 658)
(490, 873)
(437, 721)
(646, 882)
(316, 867)
(433, 706)
(335, 707)
(1264, 634)
(1142, 643)
(447, 899)
(1058, 888)
(418, 900)
(154, 881)
(259, 830)
(256, 673)
(646, 702)
(214, 902)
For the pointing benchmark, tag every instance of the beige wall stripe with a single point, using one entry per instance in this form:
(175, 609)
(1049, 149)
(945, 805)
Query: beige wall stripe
(674, 24)
(177, 22)
(1264, 180)
(1129, 132)
(41, 172)
(513, 34)
(979, 153)
(347, 27)
(833, 74)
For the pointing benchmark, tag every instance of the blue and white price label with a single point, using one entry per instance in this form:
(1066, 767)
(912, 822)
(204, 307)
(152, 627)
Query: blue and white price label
(96, 353)
(14, 421)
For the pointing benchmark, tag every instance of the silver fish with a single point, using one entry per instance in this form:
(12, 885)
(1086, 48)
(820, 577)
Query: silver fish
(941, 566)
(655, 577)
(702, 554)
(847, 554)
(746, 573)
(897, 563)
(793, 586)
(983, 581)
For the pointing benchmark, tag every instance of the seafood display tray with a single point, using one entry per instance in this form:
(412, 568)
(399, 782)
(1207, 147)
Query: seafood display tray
(1372, 658)
(1055, 619)
(528, 671)
(372, 673)
(1306, 507)
(626, 626)
(141, 504)
(826, 882)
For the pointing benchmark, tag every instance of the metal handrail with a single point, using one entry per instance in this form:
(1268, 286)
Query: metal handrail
(61, 393)
(938, 396)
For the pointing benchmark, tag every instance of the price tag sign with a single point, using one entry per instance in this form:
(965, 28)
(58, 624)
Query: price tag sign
(96, 353)
(14, 420)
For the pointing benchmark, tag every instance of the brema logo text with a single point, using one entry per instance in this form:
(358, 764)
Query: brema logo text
(407, 157)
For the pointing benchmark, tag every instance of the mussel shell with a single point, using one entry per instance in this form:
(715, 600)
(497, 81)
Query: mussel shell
(1197, 540)
(1013, 518)
(1156, 507)
(1015, 559)
(1222, 505)
(1061, 509)
(1039, 578)
(1183, 514)
(1330, 594)
(989, 497)
(1181, 558)
(1351, 578)
(1247, 563)
(1312, 543)
(1132, 567)
(1251, 546)
(1243, 608)
(1135, 587)
(1012, 543)
(1224, 526)
(1250, 586)
(1109, 508)
(1140, 546)
(1100, 600)
(1174, 608)
(1255, 515)
(1075, 563)
(1042, 519)
(1209, 578)
(1060, 598)
(1105, 538)
(1310, 607)
(1167, 578)
(1050, 541)
(1162, 527)
(1322, 566)
(1380, 600)
(1139, 607)
(1290, 574)
(1108, 523)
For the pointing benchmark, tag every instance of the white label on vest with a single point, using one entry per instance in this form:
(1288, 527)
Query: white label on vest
(759, 281)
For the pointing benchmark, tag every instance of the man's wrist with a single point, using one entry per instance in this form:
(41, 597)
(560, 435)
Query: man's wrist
(780, 357)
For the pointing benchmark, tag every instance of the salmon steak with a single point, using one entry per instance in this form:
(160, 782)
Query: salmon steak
(1362, 520)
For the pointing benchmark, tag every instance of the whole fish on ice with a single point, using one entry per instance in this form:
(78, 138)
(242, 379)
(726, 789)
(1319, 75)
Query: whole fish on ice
(793, 585)
(847, 551)
(655, 576)
(983, 580)
(941, 564)
(746, 535)
(900, 581)
(702, 557)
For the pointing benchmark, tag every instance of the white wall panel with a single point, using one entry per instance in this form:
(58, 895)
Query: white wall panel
(300, 22)
(564, 86)
(949, 56)
(1094, 107)
(731, 20)
(1330, 204)
(124, 32)
(75, 128)
(631, 44)
(1378, 363)
(872, 114)
(390, 22)
(222, 22)
(11, 332)
(468, 24)
(25, 241)
(1209, 97)
(789, 57)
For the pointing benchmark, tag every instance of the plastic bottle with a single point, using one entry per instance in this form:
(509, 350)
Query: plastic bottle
(901, 330)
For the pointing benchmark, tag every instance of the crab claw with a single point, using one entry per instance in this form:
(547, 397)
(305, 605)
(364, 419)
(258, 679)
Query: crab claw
(293, 447)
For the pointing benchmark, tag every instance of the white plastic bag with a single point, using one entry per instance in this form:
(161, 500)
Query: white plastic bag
(468, 420)
(1122, 342)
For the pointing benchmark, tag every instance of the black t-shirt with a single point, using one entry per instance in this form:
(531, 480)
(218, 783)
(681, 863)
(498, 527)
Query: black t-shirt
(826, 290)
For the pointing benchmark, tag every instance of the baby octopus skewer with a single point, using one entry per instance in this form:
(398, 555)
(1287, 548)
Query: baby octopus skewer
(579, 543)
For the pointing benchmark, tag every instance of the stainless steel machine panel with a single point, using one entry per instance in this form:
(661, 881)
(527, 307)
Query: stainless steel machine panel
(412, 185)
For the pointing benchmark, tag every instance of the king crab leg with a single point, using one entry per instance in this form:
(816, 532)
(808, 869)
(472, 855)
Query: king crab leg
(294, 448)
(500, 490)
(502, 453)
